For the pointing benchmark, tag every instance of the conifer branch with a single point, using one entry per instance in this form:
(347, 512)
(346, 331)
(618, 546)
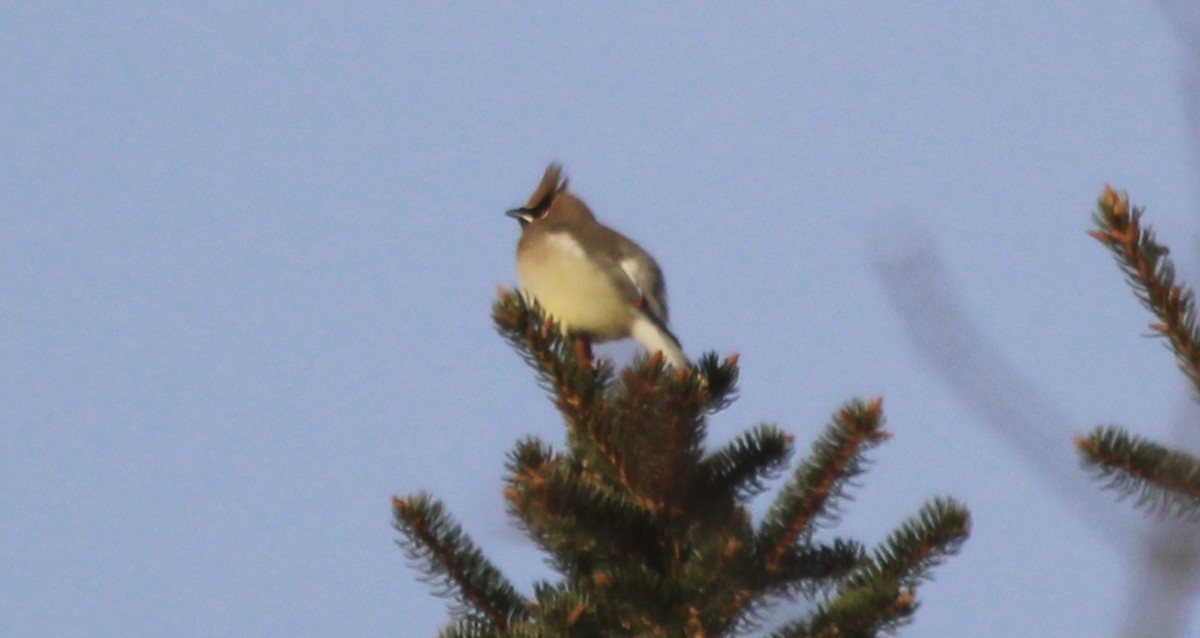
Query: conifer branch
(651, 535)
(719, 379)
(1164, 481)
(528, 465)
(449, 558)
(921, 543)
(578, 391)
(660, 416)
(734, 600)
(806, 571)
(575, 387)
(650, 430)
(741, 467)
(562, 611)
(1152, 275)
(684, 431)
(881, 594)
(864, 612)
(571, 516)
(837, 457)
(810, 568)
(639, 594)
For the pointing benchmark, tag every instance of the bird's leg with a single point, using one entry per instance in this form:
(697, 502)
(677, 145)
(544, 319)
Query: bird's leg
(583, 349)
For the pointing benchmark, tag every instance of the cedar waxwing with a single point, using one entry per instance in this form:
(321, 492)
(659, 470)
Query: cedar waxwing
(597, 283)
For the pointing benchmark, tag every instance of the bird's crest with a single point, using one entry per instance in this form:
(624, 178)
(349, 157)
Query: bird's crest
(552, 183)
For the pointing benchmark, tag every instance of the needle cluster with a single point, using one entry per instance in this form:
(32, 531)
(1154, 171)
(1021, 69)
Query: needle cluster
(1161, 480)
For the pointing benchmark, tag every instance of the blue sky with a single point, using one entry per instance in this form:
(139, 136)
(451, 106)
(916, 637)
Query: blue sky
(247, 256)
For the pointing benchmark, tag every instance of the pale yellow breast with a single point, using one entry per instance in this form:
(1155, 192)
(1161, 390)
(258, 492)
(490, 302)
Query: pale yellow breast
(575, 292)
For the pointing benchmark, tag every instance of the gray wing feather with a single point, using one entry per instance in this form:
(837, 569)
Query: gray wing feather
(633, 269)
(644, 274)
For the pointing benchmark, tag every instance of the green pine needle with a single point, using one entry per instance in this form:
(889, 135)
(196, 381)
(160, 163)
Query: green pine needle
(1162, 481)
(811, 497)
(574, 516)
(743, 465)
(1151, 274)
(575, 386)
(880, 596)
(452, 563)
(921, 543)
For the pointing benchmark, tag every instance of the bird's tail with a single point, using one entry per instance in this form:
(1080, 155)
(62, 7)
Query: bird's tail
(656, 338)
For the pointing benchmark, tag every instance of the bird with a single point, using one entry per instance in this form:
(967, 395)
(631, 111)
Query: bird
(598, 284)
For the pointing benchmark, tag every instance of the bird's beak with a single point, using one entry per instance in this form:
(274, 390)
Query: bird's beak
(522, 215)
